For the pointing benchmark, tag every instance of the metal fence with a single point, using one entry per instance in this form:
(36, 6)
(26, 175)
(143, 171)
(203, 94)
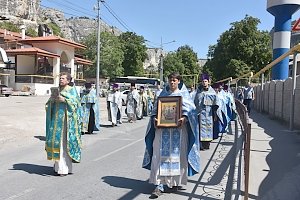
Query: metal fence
(245, 125)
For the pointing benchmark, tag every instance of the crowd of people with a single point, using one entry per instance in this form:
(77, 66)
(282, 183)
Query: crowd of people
(172, 153)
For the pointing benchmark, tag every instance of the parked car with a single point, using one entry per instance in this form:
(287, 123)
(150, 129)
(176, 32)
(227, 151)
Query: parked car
(4, 90)
(124, 96)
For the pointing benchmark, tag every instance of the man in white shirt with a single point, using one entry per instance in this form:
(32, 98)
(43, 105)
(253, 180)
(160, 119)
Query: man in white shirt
(248, 96)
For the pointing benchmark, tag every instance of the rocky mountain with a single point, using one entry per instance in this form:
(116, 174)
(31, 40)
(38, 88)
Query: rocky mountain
(153, 58)
(32, 14)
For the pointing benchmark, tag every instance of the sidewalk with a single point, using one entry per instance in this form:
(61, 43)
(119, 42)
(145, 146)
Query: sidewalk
(274, 160)
(274, 164)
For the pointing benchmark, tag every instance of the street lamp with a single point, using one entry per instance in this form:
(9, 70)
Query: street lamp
(161, 71)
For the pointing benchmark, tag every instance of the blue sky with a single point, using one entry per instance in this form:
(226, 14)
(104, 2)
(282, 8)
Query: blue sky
(197, 23)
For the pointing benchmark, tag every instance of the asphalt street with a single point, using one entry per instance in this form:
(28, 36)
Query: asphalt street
(111, 160)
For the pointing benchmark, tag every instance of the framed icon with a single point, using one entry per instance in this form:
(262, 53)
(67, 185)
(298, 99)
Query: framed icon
(168, 111)
(54, 92)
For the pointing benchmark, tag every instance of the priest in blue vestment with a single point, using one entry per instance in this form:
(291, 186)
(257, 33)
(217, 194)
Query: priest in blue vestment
(90, 110)
(205, 100)
(172, 154)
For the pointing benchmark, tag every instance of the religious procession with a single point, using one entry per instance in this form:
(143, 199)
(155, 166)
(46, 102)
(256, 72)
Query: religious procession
(182, 123)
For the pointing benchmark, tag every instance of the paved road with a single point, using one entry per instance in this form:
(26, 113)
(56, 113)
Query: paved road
(111, 160)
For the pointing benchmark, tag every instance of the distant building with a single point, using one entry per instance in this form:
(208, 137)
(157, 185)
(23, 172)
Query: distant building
(38, 61)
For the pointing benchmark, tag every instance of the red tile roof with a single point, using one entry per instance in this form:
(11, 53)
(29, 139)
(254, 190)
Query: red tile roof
(31, 51)
(83, 61)
(48, 39)
(9, 35)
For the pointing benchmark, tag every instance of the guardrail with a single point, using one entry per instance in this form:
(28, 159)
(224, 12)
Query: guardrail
(246, 132)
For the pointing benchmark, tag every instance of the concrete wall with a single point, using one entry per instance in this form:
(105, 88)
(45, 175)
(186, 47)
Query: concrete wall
(278, 99)
(287, 103)
(275, 100)
(297, 104)
(37, 88)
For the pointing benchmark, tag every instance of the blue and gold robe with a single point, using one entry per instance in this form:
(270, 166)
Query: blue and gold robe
(59, 115)
(204, 102)
(170, 138)
(89, 100)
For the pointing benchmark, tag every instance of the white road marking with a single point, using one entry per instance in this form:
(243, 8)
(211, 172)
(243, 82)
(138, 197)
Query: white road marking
(20, 194)
(117, 150)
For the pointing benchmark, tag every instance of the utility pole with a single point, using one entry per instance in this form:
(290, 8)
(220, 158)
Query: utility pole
(161, 71)
(98, 50)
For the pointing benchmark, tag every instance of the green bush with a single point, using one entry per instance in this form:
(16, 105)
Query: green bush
(10, 26)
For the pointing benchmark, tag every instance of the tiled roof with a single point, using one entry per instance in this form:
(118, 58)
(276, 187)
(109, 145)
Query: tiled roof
(83, 61)
(31, 51)
(52, 38)
(9, 35)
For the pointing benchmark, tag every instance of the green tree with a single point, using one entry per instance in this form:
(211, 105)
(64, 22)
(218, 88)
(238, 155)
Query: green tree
(241, 48)
(10, 26)
(172, 63)
(111, 55)
(190, 61)
(183, 60)
(90, 53)
(134, 53)
(55, 29)
(31, 32)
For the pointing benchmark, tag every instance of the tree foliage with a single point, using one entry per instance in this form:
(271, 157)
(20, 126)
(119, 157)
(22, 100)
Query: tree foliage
(10, 26)
(240, 49)
(90, 53)
(31, 32)
(172, 63)
(111, 55)
(55, 29)
(134, 53)
(189, 60)
(183, 60)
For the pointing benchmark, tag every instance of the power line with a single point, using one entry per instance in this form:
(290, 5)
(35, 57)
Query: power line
(117, 18)
(71, 3)
(70, 8)
(110, 10)
(106, 4)
(60, 11)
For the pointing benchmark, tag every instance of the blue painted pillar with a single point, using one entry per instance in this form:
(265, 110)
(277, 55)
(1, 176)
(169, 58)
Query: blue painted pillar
(282, 11)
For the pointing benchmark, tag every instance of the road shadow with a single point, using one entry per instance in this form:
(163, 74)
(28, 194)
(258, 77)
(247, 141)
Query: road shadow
(282, 158)
(42, 138)
(34, 169)
(106, 125)
(137, 187)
